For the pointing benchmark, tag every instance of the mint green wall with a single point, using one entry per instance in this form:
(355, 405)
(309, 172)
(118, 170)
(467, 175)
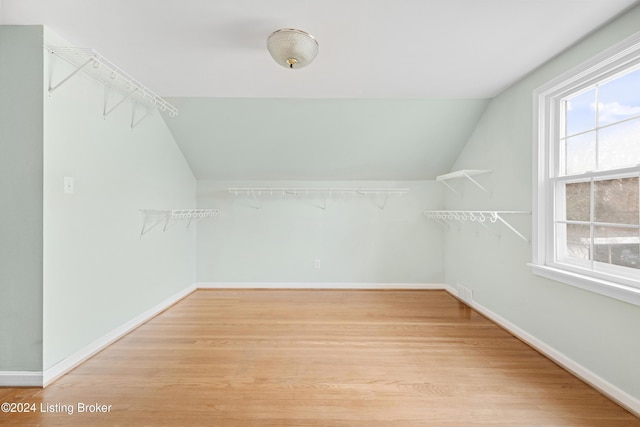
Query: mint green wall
(21, 195)
(598, 332)
(320, 139)
(355, 241)
(98, 272)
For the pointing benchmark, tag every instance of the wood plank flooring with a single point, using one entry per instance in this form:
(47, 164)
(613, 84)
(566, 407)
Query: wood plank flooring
(318, 358)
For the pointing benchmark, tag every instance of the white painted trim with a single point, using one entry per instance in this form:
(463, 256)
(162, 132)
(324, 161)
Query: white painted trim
(20, 379)
(319, 285)
(546, 99)
(451, 289)
(613, 290)
(66, 365)
(614, 393)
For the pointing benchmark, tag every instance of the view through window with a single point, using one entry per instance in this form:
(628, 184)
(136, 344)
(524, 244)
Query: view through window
(597, 205)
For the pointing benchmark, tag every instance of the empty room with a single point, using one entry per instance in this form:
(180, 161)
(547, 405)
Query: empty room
(305, 213)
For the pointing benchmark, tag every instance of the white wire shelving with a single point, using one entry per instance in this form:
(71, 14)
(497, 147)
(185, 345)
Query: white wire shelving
(466, 174)
(155, 217)
(479, 217)
(257, 193)
(111, 76)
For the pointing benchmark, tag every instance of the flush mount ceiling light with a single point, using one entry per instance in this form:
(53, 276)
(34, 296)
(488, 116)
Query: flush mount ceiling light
(292, 48)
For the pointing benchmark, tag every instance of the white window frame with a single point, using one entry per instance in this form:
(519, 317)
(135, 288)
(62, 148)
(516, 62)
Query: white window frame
(546, 109)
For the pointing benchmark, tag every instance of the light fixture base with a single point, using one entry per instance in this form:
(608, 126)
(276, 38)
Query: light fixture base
(292, 48)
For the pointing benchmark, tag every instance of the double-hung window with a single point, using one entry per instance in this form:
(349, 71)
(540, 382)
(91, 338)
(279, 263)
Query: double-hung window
(587, 184)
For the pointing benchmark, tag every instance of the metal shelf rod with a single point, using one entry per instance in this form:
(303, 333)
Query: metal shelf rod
(480, 217)
(298, 191)
(257, 192)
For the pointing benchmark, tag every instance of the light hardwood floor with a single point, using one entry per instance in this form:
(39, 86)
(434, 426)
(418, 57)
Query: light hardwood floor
(319, 358)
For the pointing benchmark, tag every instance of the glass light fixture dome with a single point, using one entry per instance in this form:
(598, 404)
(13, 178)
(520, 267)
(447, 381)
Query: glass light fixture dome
(292, 48)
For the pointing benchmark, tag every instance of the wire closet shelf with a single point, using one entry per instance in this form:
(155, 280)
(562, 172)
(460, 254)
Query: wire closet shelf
(109, 74)
(154, 217)
(465, 174)
(480, 217)
(257, 193)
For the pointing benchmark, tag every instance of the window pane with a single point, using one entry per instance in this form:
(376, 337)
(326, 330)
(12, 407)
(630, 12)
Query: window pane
(619, 99)
(581, 113)
(581, 153)
(619, 246)
(577, 241)
(578, 204)
(619, 145)
(616, 201)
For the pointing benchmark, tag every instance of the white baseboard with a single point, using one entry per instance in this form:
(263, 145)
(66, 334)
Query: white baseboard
(20, 379)
(614, 393)
(35, 379)
(318, 285)
(85, 353)
(453, 291)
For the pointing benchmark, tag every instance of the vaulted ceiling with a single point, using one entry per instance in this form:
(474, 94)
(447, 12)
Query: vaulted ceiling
(394, 93)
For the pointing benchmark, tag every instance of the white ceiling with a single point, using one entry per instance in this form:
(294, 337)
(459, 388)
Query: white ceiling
(368, 48)
(396, 90)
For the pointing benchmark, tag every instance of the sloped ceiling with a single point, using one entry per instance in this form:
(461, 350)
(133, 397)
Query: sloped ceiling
(322, 139)
(396, 89)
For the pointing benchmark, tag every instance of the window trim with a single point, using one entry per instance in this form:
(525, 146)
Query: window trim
(545, 110)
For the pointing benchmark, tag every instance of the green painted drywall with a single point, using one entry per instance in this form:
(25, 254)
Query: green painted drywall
(98, 272)
(323, 139)
(21, 158)
(355, 240)
(598, 332)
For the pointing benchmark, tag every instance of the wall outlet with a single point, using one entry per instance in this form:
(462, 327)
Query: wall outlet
(316, 264)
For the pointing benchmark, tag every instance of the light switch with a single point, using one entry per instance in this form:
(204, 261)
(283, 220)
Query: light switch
(68, 185)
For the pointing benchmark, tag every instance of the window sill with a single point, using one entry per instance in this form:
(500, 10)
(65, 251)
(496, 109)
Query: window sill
(620, 292)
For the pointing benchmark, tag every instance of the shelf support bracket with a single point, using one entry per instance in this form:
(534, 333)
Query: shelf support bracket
(255, 198)
(488, 229)
(60, 83)
(450, 187)
(106, 112)
(475, 182)
(146, 229)
(384, 202)
(443, 222)
(144, 226)
(322, 206)
(498, 217)
(134, 124)
(166, 221)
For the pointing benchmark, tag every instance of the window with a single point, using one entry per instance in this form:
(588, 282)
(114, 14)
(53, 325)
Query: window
(587, 184)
